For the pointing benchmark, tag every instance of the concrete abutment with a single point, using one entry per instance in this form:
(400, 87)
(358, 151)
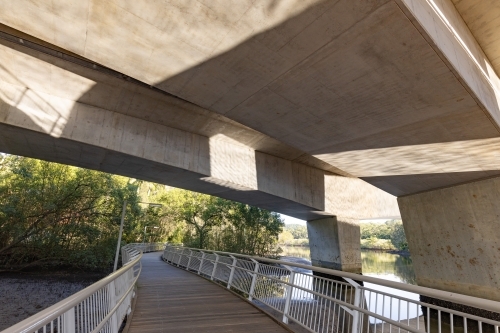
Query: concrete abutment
(453, 235)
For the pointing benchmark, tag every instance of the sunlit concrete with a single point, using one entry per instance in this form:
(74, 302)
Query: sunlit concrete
(173, 143)
(483, 20)
(453, 235)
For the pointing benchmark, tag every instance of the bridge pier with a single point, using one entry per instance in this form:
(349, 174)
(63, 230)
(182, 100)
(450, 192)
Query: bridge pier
(334, 243)
(453, 234)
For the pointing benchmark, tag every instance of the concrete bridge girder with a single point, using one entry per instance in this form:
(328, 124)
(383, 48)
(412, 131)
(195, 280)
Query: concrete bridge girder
(84, 113)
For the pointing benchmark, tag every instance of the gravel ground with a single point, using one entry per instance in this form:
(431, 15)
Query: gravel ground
(23, 295)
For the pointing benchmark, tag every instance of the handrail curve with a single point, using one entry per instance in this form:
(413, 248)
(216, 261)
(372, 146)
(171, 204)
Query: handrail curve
(476, 302)
(334, 301)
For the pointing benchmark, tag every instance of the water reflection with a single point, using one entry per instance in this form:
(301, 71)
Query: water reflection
(383, 265)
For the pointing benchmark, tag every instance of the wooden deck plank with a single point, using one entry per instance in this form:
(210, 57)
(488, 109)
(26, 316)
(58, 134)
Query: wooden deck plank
(170, 299)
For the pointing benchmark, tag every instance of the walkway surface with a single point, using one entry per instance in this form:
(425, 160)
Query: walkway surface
(173, 300)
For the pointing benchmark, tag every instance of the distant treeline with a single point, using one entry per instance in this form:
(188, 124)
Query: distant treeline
(58, 215)
(383, 236)
(294, 234)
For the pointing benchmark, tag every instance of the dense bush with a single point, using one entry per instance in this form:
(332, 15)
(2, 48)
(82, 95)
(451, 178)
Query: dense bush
(206, 222)
(52, 214)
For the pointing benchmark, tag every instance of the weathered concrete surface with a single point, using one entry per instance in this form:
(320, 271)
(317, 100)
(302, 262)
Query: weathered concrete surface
(390, 91)
(334, 243)
(59, 111)
(454, 234)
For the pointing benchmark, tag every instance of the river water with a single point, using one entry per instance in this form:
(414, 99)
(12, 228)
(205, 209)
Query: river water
(382, 265)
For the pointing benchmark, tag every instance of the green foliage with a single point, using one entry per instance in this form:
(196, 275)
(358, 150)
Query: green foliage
(294, 234)
(398, 237)
(374, 243)
(285, 237)
(208, 222)
(58, 215)
(298, 231)
(387, 236)
(52, 214)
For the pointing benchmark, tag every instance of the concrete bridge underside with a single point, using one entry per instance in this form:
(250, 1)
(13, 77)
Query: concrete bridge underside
(322, 110)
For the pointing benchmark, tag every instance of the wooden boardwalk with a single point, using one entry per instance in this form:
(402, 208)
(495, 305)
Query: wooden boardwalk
(173, 300)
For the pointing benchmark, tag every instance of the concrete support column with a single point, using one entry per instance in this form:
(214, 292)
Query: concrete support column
(335, 243)
(454, 237)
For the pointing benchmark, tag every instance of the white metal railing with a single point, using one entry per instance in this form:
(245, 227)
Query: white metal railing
(325, 300)
(100, 307)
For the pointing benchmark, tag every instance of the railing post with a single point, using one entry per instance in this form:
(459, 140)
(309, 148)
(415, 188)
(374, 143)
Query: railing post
(254, 279)
(201, 261)
(180, 257)
(215, 266)
(230, 280)
(68, 321)
(189, 260)
(289, 290)
(357, 304)
(169, 254)
(113, 322)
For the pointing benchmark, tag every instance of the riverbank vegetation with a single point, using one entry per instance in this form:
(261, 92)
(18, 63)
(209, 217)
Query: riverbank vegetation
(207, 222)
(54, 215)
(294, 235)
(383, 236)
(388, 236)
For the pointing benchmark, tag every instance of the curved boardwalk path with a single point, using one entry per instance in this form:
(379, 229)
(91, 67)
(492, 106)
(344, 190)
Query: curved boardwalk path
(173, 300)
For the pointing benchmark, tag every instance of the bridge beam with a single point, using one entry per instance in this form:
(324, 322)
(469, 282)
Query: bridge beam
(60, 111)
(454, 234)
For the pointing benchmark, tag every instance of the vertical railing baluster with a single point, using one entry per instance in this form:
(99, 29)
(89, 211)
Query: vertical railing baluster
(112, 301)
(189, 260)
(254, 279)
(201, 261)
(68, 323)
(289, 290)
(357, 305)
(231, 274)
(180, 257)
(215, 266)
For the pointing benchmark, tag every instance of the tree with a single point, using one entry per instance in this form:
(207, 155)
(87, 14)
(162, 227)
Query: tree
(52, 214)
(201, 211)
(252, 230)
(204, 221)
(285, 237)
(398, 236)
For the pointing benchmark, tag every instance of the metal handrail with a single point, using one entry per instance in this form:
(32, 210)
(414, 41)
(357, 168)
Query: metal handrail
(472, 301)
(321, 304)
(100, 307)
